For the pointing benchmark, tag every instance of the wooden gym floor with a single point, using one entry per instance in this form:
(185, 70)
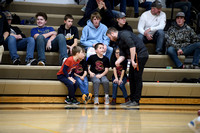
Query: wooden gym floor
(62, 118)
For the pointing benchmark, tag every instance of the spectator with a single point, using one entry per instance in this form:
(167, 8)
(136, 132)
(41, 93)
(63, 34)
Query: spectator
(184, 5)
(66, 73)
(131, 47)
(82, 80)
(46, 39)
(4, 32)
(18, 41)
(99, 65)
(182, 40)
(151, 25)
(70, 32)
(119, 77)
(101, 6)
(95, 32)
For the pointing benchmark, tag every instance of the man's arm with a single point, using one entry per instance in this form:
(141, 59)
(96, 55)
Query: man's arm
(132, 53)
(5, 35)
(119, 60)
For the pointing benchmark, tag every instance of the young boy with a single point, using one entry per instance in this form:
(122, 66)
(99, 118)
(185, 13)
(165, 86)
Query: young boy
(66, 73)
(99, 65)
(70, 32)
(82, 80)
(46, 39)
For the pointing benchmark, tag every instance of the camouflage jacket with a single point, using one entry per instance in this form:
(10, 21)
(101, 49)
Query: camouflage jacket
(179, 37)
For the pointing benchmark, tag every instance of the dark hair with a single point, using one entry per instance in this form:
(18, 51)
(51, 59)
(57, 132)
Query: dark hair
(44, 15)
(77, 49)
(68, 16)
(97, 45)
(111, 29)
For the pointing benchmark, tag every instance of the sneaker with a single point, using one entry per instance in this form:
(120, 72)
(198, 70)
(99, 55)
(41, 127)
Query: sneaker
(83, 9)
(89, 97)
(187, 66)
(106, 99)
(96, 101)
(64, 59)
(113, 102)
(67, 100)
(126, 103)
(16, 61)
(195, 67)
(84, 97)
(74, 101)
(134, 103)
(31, 62)
(41, 63)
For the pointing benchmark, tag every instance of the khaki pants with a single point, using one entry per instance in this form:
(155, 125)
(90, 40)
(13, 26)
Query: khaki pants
(1, 52)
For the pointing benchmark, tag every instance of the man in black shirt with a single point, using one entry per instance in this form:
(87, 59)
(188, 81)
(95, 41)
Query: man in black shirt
(131, 47)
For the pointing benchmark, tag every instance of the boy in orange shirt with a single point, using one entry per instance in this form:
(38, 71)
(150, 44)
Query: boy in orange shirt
(66, 73)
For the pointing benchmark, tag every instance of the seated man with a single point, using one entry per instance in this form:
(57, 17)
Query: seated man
(101, 6)
(4, 32)
(151, 25)
(18, 41)
(46, 39)
(95, 32)
(182, 40)
(70, 32)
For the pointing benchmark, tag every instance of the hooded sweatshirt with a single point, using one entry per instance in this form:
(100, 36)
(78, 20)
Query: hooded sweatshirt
(92, 35)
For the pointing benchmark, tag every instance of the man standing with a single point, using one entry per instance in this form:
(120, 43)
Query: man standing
(131, 47)
(151, 25)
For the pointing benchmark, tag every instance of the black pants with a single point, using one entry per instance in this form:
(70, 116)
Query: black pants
(135, 80)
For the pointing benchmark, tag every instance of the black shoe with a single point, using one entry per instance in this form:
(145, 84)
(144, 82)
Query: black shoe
(74, 101)
(136, 15)
(16, 61)
(134, 103)
(113, 102)
(126, 103)
(68, 101)
(31, 62)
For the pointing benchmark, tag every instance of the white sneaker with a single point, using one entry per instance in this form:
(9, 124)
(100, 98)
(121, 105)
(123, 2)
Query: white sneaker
(107, 101)
(64, 60)
(41, 63)
(96, 100)
(83, 9)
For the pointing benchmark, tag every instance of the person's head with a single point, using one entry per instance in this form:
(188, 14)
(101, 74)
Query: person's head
(156, 7)
(117, 53)
(8, 17)
(68, 20)
(112, 33)
(41, 19)
(121, 19)
(180, 18)
(79, 52)
(95, 19)
(98, 1)
(99, 48)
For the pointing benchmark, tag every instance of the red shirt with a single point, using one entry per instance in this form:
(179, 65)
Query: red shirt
(71, 63)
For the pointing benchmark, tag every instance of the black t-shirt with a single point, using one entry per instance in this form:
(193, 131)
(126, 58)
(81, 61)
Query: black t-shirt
(70, 34)
(122, 66)
(127, 40)
(98, 65)
(82, 66)
(3, 27)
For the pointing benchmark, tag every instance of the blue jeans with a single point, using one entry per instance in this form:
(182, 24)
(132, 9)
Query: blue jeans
(21, 45)
(58, 44)
(146, 5)
(122, 6)
(71, 87)
(185, 7)
(82, 84)
(158, 38)
(121, 86)
(188, 50)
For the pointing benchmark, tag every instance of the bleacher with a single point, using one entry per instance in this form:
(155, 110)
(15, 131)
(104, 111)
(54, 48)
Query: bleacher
(39, 84)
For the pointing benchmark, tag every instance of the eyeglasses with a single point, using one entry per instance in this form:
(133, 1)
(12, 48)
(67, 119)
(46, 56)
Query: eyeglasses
(116, 52)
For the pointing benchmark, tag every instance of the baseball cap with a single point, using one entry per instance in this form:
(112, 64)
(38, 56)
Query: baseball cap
(180, 14)
(121, 15)
(156, 4)
(8, 15)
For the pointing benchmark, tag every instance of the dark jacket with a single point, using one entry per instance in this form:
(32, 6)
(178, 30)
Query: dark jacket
(107, 16)
(3, 27)
(18, 31)
(125, 27)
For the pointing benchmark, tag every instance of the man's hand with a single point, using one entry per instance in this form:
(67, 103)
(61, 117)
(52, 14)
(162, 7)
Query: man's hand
(72, 79)
(48, 46)
(92, 74)
(148, 36)
(179, 52)
(98, 76)
(115, 81)
(134, 64)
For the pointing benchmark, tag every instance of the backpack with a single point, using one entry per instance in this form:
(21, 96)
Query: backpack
(16, 19)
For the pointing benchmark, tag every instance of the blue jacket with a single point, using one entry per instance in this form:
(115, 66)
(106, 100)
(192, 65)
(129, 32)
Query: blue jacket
(92, 35)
